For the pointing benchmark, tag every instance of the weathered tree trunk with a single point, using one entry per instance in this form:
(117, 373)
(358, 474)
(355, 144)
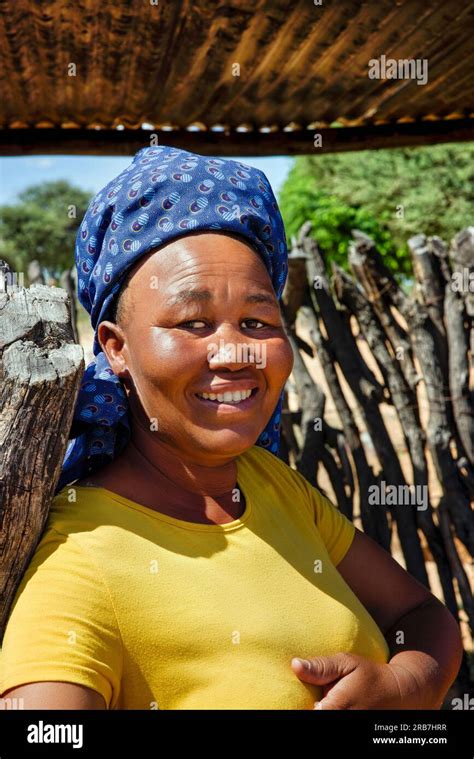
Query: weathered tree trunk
(433, 275)
(460, 328)
(456, 319)
(376, 281)
(455, 562)
(429, 290)
(296, 283)
(461, 254)
(40, 371)
(335, 439)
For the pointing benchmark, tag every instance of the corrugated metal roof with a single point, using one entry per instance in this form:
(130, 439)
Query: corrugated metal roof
(271, 66)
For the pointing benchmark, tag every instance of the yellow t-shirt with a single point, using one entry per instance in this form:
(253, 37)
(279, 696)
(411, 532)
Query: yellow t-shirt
(155, 612)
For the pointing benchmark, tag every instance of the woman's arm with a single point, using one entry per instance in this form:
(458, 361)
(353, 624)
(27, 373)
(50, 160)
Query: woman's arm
(424, 639)
(423, 636)
(428, 661)
(54, 695)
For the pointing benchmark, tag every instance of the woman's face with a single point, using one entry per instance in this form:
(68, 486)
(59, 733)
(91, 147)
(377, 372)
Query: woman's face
(202, 318)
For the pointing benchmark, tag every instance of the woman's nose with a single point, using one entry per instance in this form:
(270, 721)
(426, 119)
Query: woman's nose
(232, 349)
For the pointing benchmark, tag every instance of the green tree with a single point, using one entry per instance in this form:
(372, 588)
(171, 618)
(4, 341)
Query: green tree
(398, 192)
(43, 225)
(332, 221)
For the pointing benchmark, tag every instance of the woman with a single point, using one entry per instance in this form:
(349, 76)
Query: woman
(184, 565)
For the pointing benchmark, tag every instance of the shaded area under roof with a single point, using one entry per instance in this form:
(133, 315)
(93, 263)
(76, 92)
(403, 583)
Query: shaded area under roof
(234, 77)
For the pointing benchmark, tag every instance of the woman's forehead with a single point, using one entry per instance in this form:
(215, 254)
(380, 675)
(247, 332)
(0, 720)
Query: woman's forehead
(187, 257)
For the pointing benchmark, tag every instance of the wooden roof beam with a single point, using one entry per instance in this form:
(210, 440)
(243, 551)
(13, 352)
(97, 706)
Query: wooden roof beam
(20, 142)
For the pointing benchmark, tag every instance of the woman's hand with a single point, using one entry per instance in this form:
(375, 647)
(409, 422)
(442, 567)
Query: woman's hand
(350, 681)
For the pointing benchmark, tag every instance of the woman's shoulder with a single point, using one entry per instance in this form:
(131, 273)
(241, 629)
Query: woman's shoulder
(285, 488)
(78, 508)
(268, 467)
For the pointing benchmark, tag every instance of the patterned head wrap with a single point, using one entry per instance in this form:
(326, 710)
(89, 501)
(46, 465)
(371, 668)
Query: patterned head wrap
(163, 194)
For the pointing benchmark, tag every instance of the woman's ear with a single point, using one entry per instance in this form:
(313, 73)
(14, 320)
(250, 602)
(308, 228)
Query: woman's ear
(111, 338)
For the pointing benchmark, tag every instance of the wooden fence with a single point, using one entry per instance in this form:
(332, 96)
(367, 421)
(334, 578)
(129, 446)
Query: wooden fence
(420, 342)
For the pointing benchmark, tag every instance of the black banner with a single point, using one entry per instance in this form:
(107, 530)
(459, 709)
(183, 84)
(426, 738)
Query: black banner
(376, 733)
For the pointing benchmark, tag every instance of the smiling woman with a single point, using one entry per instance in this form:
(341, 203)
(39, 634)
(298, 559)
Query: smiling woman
(184, 565)
(164, 353)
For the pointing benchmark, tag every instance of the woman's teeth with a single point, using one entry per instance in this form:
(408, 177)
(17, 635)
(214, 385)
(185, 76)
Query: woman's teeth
(228, 397)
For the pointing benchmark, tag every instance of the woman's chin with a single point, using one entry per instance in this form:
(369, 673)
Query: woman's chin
(223, 443)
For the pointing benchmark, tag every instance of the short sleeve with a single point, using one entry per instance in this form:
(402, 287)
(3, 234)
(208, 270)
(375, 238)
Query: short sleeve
(62, 624)
(336, 530)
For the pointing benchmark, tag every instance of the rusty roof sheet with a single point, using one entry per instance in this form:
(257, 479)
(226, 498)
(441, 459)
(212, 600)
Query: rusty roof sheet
(263, 67)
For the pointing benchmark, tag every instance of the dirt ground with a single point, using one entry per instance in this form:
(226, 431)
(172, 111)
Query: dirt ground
(393, 425)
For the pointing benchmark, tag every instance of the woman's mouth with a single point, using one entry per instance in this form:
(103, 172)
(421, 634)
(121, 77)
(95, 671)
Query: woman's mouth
(241, 399)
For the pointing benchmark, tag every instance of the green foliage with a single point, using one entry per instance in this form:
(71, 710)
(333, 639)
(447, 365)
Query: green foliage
(389, 194)
(332, 221)
(43, 225)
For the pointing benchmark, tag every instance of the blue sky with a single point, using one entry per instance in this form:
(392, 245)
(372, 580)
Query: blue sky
(91, 173)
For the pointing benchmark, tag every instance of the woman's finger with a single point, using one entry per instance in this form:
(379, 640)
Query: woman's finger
(322, 670)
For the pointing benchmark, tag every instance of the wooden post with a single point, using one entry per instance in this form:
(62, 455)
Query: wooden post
(376, 283)
(40, 369)
(459, 318)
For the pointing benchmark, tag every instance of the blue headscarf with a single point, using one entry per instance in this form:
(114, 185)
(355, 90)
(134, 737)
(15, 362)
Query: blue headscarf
(163, 194)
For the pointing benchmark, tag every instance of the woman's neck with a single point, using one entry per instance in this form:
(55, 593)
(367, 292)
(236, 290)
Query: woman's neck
(161, 461)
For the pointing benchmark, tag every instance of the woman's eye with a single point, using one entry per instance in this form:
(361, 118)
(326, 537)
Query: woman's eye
(199, 323)
(255, 321)
(192, 321)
